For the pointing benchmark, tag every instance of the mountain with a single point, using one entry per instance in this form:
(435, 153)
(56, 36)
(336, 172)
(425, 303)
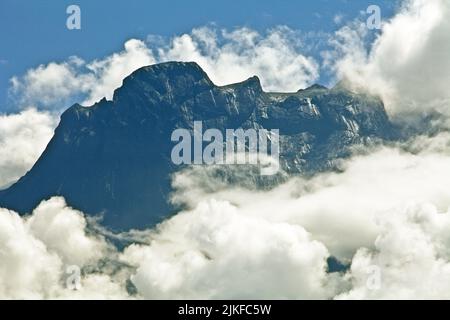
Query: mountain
(114, 157)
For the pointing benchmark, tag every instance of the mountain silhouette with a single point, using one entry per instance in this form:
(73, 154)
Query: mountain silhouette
(113, 158)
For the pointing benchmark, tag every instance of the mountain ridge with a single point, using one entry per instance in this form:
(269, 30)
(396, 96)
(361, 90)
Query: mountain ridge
(114, 157)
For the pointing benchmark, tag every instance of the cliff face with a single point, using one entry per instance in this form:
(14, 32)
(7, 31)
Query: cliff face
(114, 157)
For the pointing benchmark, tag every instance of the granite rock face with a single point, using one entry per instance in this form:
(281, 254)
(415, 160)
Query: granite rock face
(114, 157)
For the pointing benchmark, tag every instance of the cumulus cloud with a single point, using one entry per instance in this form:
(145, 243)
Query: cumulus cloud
(109, 72)
(63, 230)
(408, 64)
(55, 85)
(23, 137)
(216, 251)
(50, 84)
(410, 254)
(36, 251)
(230, 57)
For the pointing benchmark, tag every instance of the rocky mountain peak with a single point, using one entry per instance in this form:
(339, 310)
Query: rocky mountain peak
(113, 158)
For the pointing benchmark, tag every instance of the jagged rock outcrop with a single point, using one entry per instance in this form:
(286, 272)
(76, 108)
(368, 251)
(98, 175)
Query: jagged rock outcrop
(114, 157)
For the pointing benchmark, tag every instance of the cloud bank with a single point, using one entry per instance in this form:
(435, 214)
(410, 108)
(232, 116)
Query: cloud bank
(23, 137)
(408, 63)
(57, 84)
(387, 213)
(36, 251)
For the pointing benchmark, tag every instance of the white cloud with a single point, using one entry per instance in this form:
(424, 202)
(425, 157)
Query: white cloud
(215, 251)
(388, 208)
(408, 63)
(23, 137)
(34, 258)
(411, 253)
(27, 268)
(229, 57)
(55, 85)
(63, 230)
(109, 72)
(51, 84)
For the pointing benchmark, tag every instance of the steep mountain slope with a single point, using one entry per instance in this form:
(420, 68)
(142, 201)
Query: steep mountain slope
(114, 157)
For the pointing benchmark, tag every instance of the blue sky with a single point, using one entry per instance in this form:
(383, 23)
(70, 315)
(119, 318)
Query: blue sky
(34, 32)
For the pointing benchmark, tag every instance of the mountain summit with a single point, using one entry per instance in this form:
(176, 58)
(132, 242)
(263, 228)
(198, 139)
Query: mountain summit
(114, 157)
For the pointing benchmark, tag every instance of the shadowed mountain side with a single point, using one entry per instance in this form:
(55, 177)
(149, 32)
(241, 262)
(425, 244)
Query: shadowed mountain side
(114, 157)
